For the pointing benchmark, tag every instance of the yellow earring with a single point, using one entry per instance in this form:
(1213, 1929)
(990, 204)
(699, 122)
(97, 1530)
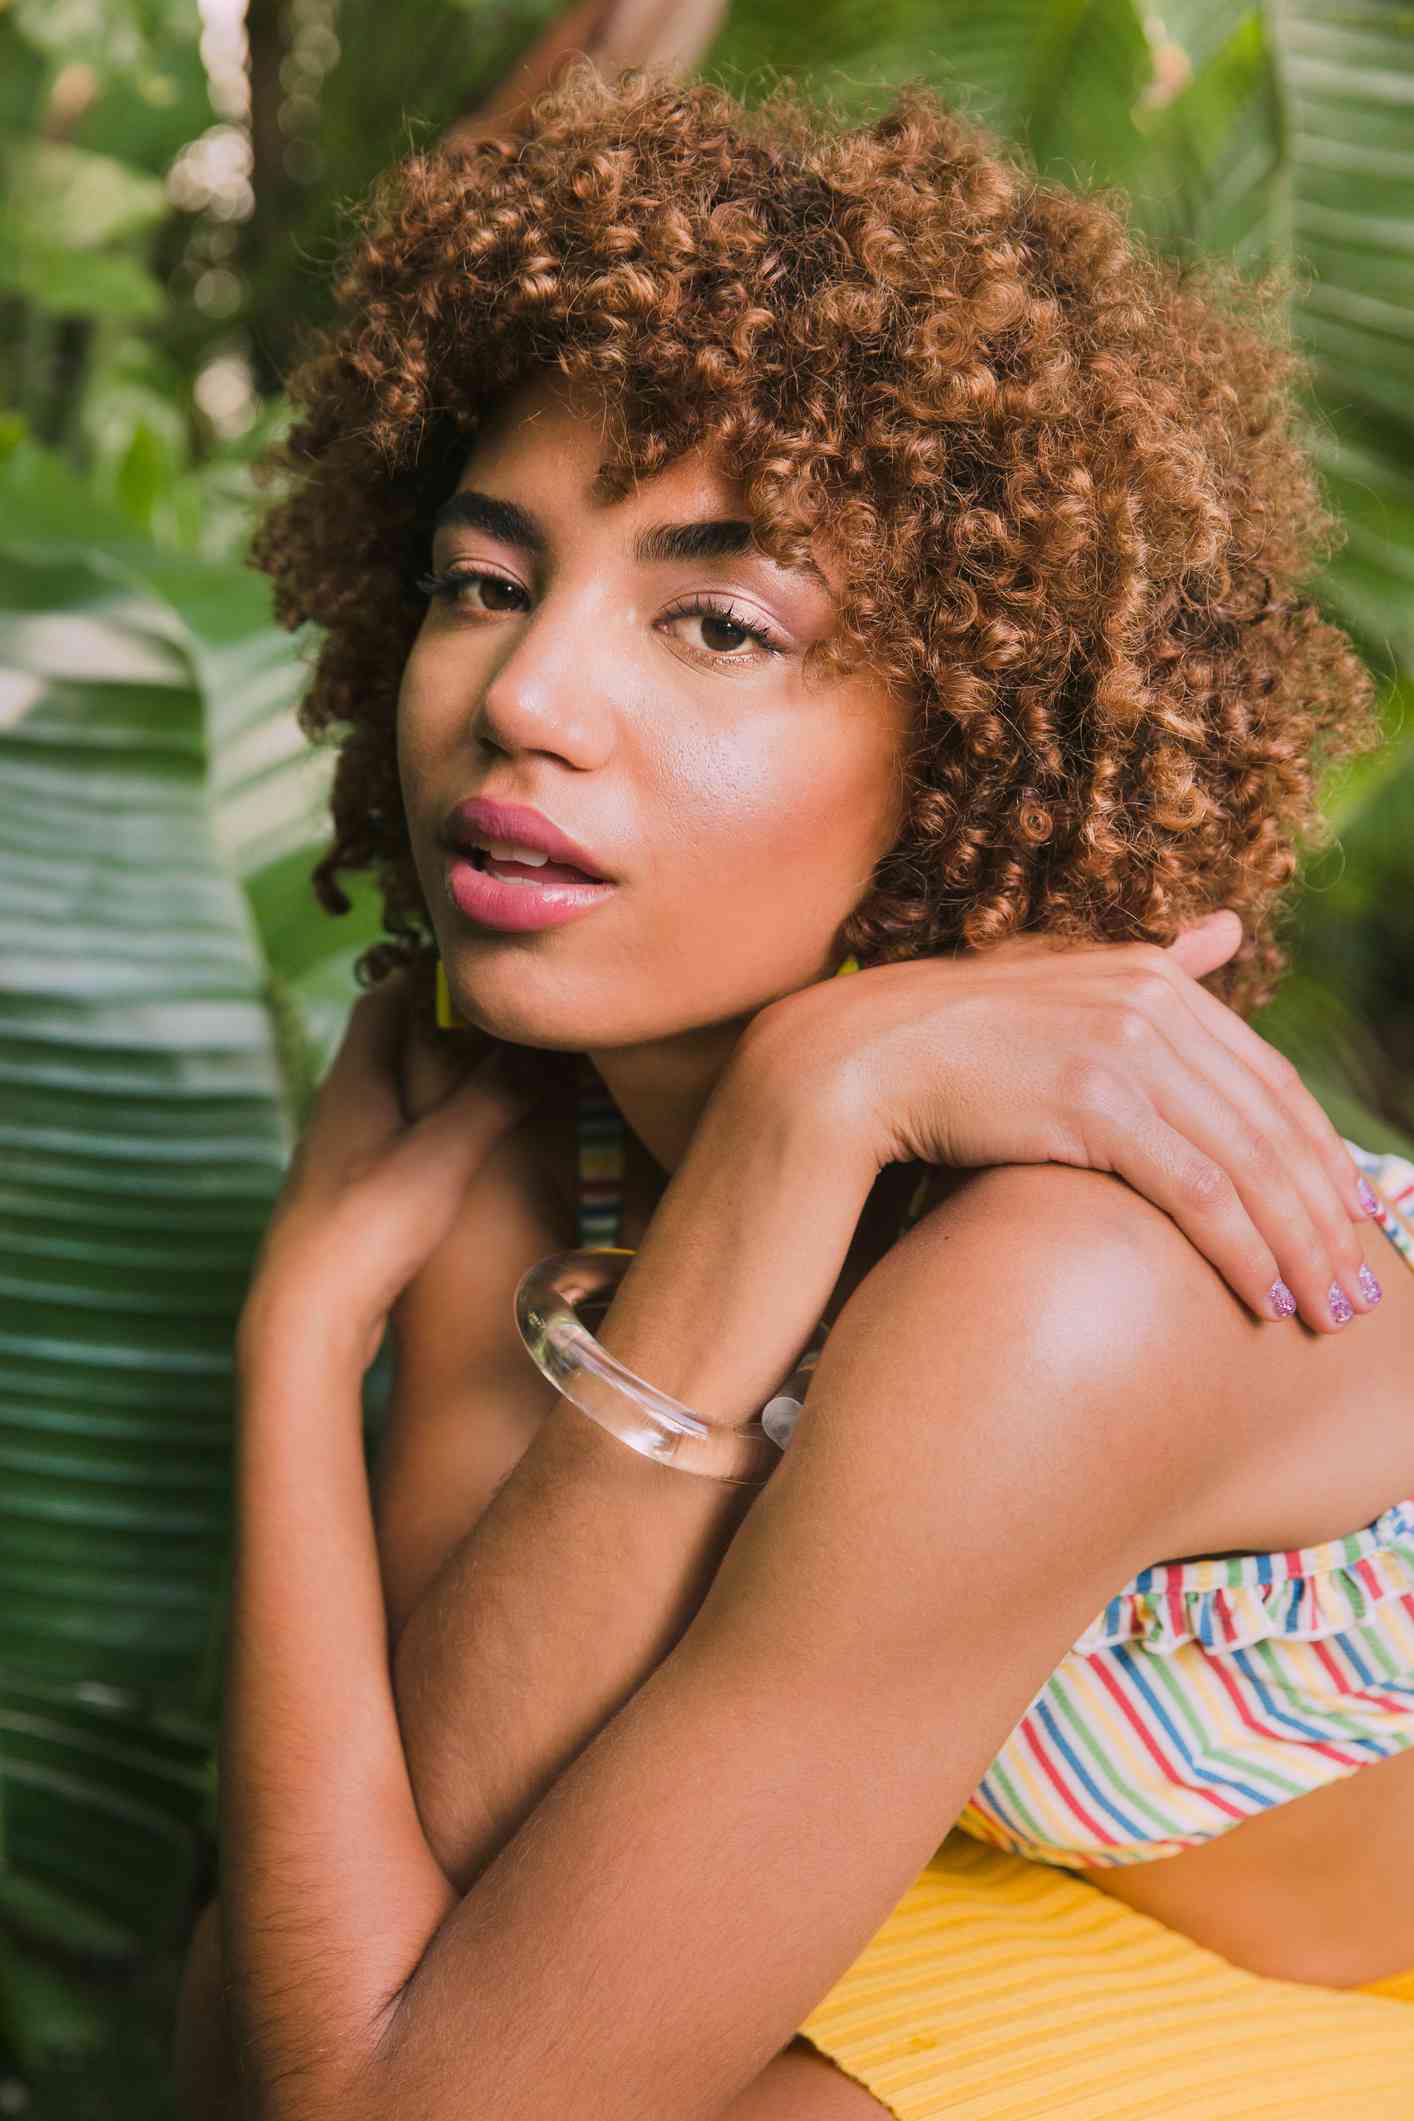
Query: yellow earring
(447, 1017)
(850, 964)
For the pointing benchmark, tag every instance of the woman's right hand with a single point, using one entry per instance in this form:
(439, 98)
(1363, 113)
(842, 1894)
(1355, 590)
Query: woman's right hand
(669, 34)
(1111, 1057)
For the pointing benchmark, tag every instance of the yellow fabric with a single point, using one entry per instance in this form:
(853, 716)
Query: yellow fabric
(1004, 1990)
(1400, 1986)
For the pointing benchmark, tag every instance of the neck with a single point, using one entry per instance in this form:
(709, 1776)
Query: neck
(662, 1089)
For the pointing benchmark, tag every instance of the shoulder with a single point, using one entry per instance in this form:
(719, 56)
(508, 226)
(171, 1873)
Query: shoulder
(1075, 1264)
(1012, 1415)
(1056, 1313)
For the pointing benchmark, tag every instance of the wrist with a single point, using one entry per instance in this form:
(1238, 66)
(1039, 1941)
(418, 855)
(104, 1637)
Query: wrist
(281, 1327)
(554, 1304)
(783, 1063)
(743, 1253)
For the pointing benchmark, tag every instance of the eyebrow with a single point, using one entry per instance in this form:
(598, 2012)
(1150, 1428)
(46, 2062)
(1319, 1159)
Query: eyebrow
(718, 538)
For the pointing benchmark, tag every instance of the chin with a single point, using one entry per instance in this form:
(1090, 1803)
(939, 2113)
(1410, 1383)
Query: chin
(496, 1005)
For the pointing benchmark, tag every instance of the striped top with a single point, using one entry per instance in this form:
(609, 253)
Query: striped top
(1205, 1691)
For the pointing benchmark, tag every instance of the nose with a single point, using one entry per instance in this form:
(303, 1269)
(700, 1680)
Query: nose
(544, 692)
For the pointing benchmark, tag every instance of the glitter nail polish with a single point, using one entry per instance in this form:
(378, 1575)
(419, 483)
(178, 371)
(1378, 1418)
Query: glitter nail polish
(1282, 1301)
(1342, 1309)
(1368, 1198)
(1369, 1287)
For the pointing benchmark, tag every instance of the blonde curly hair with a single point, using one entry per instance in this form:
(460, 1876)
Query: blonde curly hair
(1062, 477)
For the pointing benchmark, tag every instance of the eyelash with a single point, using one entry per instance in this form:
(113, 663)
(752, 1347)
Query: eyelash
(444, 585)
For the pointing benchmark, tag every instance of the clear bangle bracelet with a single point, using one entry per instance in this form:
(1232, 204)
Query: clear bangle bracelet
(547, 1302)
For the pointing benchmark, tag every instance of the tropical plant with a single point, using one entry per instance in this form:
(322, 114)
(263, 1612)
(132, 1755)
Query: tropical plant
(171, 990)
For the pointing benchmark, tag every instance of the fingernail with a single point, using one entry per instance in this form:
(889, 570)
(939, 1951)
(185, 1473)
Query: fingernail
(1368, 1198)
(1282, 1301)
(1369, 1287)
(1342, 1309)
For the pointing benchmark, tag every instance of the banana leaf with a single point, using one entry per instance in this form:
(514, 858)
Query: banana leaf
(170, 990)
(167, 1002)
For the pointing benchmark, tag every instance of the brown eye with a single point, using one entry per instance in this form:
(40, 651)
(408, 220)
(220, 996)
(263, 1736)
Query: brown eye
(446, 587)
(723, 618)
(712, 619)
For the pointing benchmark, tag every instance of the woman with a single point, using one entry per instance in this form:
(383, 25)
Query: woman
(1003, 525)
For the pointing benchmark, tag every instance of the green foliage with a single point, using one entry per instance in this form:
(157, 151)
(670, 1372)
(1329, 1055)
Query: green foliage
(172, 991)
(169, 1003)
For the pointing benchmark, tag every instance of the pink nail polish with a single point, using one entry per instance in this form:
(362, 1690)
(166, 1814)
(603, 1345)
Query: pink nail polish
(1282, 1301)
(1368, 1198)
(1342, 1309)
(1369, 1287)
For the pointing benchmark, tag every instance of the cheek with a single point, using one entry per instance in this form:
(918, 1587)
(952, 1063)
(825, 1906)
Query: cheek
(794, 806)
(415, 728)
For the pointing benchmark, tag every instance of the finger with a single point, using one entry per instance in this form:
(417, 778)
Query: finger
(672, 34)
(1235, 1125)
(1270, 1129)
(1275, 1070)
(434, 1062)
(577, 31)
(1126, 1134)
(443, 1150)
(359, 1092)
(1277, 1109)
(399, 1208)
(1208, 943)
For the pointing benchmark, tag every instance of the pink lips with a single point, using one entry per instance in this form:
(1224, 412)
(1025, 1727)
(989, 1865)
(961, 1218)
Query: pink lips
(479, 819)
(485, 899)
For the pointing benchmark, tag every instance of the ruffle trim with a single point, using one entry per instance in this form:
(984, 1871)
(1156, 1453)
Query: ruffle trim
(1301, 1594)
(1392, 1177)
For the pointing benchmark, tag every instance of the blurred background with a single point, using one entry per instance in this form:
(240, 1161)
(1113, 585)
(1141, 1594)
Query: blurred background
(172, 176)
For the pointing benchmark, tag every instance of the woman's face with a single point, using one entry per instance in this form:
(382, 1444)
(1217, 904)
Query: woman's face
(739, 809)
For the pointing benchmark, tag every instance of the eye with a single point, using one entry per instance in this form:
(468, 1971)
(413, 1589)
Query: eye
(720, 614)
(446, 586)
(717, 612)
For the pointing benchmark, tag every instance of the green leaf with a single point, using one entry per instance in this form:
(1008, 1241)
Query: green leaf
(67, 283)
(67, 198)
(24, 77)
(145, 473)
(171, 989)
(43, 2013)
(1339, 1059)
(1347, 75)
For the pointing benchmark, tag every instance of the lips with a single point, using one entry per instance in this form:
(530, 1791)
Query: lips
(470, 824)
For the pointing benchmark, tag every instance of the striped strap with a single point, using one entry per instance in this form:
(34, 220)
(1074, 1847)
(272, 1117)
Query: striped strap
(599, 1189)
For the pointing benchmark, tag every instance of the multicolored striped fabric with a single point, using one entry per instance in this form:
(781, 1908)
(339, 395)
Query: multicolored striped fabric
(1210, 1690)
(1207, 1690)
(599, 1187)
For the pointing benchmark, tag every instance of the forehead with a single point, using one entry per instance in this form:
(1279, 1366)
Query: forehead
(557, 434)
(540, 450)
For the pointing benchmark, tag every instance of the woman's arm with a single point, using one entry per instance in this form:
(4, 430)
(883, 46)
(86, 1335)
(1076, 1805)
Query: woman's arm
(692, 1884)
(567, 1593)
(573, 1585)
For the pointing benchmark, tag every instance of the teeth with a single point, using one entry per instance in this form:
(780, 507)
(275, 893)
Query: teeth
(506, 851)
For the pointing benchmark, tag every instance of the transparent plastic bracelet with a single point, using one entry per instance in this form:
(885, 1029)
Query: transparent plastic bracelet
(548, 1300)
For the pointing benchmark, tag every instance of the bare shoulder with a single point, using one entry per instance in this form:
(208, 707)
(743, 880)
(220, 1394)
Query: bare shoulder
(1081, 1272)
(1082, 1309)
(1286, 1437)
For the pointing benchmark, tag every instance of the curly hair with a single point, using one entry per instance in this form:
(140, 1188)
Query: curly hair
(1062, 476)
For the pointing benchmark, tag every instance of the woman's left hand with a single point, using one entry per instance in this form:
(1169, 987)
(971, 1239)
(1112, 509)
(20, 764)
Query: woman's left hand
(1109, 1056)
(369, 1195)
